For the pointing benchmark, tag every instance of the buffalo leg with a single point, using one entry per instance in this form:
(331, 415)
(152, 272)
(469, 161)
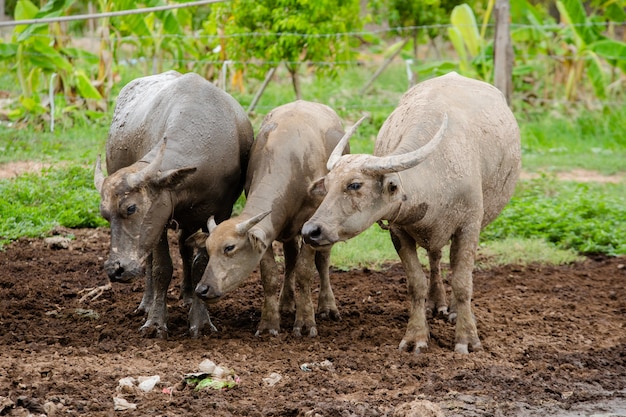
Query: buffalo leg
(270, 315)
(192, 273)
(305, 314)
(186, 253)
(436, 303)
(162, 269)
(287, 294)
(326, 305)
(462, 254)
(148, 292)
(417, 332)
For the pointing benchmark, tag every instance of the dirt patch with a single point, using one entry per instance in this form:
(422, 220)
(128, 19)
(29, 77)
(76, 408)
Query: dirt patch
(580, 175)
(13, 169)
(554, 338)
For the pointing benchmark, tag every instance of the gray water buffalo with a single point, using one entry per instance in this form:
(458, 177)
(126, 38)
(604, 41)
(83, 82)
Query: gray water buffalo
(176, 154)
(445, 163)
(290, 153)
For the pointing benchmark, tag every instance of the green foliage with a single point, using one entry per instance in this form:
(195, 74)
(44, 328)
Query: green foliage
(585, 217)
(565, 138)
(33, 204)
(288, 31)
(586, 56)
(38, 56)
(419, 20)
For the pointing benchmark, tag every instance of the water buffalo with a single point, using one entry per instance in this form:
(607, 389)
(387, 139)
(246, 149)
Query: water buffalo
(176, 154)
(445, 163)
(290, 152)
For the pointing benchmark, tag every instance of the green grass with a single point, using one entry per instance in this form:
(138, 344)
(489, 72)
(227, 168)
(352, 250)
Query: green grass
(546, 221)
(33, 204)
(567, 139)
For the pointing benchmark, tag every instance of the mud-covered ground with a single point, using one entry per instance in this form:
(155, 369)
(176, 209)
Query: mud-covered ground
(554, 339)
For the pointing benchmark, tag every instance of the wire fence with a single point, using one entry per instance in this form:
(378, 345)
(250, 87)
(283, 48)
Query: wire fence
(212, 56)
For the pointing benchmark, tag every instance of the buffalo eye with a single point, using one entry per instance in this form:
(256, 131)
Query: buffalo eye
(229, 249)
(354, 186)
(131, 209)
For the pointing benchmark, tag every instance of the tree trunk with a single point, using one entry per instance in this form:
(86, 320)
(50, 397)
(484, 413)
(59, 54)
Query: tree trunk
(503, 50)
(259, 93)
(383, 67)
(293, 70)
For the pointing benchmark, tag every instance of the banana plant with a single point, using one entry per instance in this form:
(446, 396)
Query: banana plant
(38, 54)
(592, 53)
(469, 43)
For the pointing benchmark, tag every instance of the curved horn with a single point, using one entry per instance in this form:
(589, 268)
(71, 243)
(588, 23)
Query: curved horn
(243, 227)
(98, 176)
(210, 224)
(338, 151)
(395, 163)
(150, 170)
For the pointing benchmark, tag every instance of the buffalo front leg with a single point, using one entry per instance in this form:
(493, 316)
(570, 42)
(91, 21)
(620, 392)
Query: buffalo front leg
(162, 269)
(326, 305)
(462, 255)
(436, 304)
(270, 315)
(417, 333)
(148, 292)
(305, 314)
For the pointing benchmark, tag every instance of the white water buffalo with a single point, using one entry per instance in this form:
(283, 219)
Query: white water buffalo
(176, 154)
(290, 153)
(445, 163)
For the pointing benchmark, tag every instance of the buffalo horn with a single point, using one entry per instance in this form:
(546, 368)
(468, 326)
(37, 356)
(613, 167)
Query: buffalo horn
(150, 170)
(211, 225)
(243, 227)
(338, 151)
(395, 163)
(98, 176)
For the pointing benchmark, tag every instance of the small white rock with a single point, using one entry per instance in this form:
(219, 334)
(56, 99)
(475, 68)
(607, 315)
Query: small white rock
(146, 384)
(121, 404)
(207, 366)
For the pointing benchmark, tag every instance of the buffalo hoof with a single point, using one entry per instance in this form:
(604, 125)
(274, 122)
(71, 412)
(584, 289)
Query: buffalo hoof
(328, 313)
(417, 347)
(154, 331)
(297, 331)
(271, 332)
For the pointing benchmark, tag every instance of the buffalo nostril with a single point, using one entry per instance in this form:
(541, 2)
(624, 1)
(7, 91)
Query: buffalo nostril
(311, 231)
(202, 291)
(115, 271)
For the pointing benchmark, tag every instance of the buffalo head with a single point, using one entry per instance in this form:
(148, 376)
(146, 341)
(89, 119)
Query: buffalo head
(359, 190)
(137, 202)
(235, 248)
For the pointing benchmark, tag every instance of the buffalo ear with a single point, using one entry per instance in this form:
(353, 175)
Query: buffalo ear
(257, 239)
(317, 189)
(173, 177)
(197, 240)
(391, 184)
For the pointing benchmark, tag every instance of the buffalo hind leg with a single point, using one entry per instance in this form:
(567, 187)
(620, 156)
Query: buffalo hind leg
(326, 305)
(462, 255)
(270, 314)
(162, 269)
(194, 264)
(186, 253)
(417, 332)
(288, 292)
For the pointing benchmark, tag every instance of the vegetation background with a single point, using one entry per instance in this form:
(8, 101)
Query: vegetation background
(58, 83)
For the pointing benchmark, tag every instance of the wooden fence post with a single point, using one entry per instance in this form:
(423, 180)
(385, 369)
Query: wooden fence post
(503, 50)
